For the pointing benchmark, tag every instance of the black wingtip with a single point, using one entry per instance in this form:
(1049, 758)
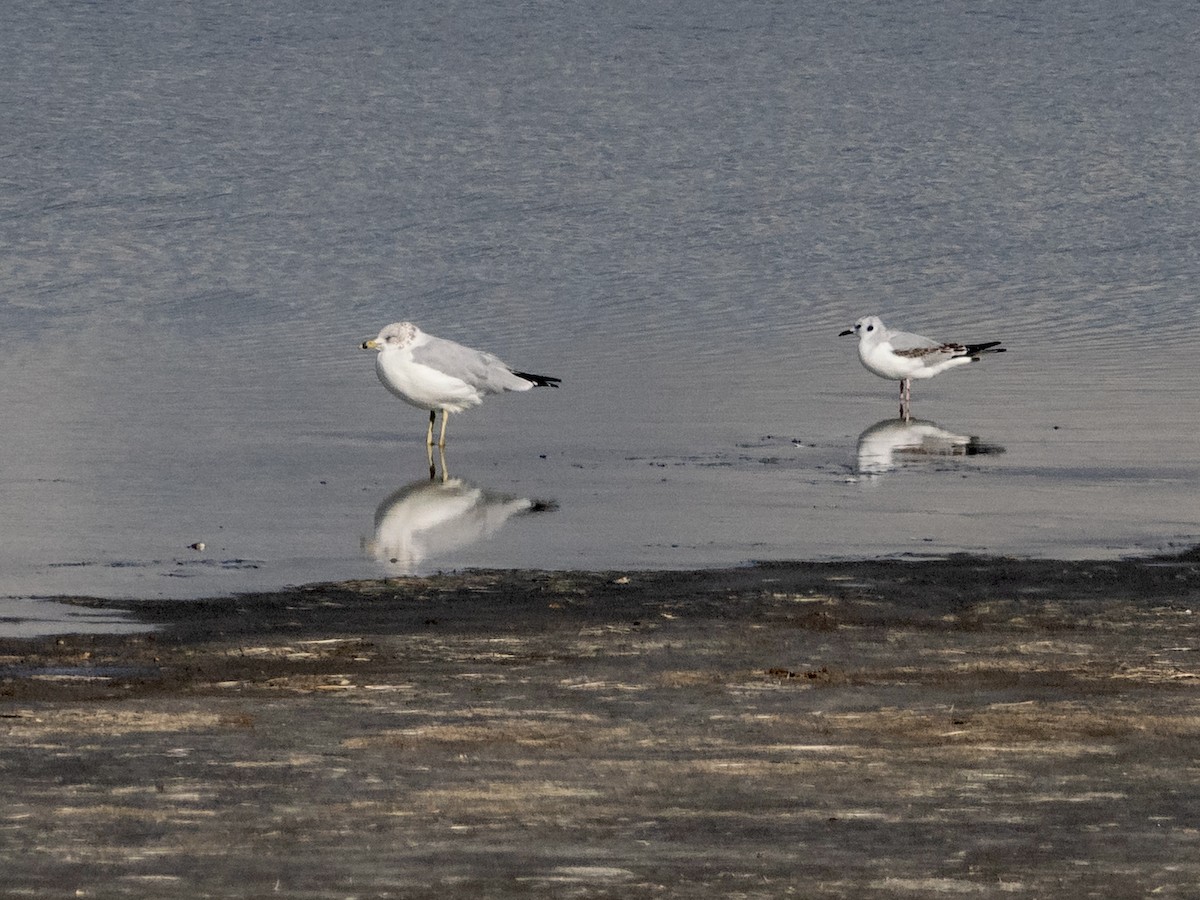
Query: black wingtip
(540, 380)
(989, 347)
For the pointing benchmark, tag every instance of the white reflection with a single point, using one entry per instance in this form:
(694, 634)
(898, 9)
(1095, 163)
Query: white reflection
(430, 518)
(890, 443)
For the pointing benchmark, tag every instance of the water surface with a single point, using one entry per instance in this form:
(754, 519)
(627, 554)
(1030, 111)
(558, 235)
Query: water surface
(674, 208)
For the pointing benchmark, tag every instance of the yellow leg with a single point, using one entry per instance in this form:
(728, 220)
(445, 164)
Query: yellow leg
(429, 436)
(442, 440)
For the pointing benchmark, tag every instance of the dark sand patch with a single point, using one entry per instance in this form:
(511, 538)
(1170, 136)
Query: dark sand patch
(909, 729)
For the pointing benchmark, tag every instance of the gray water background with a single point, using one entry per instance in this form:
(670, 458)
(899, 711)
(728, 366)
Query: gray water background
(675, 207)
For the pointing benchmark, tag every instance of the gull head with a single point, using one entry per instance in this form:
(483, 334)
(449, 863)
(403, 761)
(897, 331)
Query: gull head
(396, 336)
(868, 328)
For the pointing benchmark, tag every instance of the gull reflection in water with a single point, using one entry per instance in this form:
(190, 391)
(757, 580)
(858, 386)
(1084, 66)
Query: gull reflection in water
(429, 518)
(891, 443)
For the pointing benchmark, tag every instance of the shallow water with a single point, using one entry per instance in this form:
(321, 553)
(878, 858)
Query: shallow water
(675, 208)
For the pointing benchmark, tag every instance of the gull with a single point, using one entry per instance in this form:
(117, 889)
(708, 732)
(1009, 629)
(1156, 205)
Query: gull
(433, 373)
(901, 356)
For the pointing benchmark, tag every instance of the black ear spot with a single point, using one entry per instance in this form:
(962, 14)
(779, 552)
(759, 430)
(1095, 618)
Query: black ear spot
(870, 328)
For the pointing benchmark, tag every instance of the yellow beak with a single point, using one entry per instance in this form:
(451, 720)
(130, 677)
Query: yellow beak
(370, 345)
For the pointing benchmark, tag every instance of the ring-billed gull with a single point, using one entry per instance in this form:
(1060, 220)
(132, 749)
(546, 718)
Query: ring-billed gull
(901, 356)
(433, 373)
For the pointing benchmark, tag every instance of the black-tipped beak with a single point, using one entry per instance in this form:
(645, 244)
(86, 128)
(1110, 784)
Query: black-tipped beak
(846, 332)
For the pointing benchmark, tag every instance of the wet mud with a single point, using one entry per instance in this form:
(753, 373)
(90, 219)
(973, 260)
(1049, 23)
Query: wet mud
(906, 728)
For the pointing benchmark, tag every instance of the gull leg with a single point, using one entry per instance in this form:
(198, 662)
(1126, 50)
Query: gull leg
(432, 467)
(442, 440)
(442, 457)
(905, 398)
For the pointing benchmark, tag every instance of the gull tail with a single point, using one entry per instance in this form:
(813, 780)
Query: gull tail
(539, 380)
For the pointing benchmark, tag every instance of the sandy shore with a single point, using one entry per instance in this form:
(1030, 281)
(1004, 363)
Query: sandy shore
(894, 729)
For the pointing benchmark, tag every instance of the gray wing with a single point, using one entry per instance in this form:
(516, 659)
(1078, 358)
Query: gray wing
(905, 340)
(478, 368)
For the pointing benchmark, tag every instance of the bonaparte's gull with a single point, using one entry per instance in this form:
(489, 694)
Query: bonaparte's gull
(901, 356)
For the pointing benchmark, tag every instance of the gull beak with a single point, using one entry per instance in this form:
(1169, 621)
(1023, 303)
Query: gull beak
(842, 334)
(370, 345)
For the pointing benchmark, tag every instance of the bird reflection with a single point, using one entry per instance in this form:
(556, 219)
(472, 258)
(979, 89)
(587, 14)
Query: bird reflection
(432, 517)
(888, 444)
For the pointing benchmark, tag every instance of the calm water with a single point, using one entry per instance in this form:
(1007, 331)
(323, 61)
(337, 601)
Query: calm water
(675, 207)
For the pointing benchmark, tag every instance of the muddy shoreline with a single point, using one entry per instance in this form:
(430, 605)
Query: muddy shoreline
(992, 727)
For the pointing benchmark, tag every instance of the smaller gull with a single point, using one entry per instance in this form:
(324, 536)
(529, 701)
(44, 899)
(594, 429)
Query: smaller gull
(433, 373)
(901, 356)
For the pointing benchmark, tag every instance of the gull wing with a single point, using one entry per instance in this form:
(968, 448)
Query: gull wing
(902, 341)
(478, 368)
